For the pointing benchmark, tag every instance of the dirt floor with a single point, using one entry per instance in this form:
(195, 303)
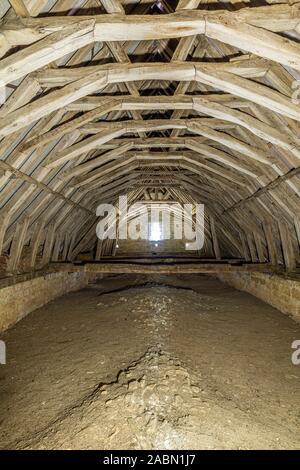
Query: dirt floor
(161, 363)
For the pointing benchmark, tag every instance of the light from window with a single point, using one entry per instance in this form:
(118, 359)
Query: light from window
(155, 232)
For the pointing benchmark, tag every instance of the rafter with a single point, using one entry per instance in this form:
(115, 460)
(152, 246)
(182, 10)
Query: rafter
(94, 82)
(105, 132)
(231, 142)
(20, 8)
(235, 28)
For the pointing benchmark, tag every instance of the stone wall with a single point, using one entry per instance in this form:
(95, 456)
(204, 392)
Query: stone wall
(17, 300)
(281, 292)
(21, 298)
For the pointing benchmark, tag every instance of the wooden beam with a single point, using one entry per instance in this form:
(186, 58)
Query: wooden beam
(119, 53)
(214, 238)
(57, 247)
(235, 28)
(98, 161)
(271, 243)
(113, 6)
(49, 49)
(5, 216)
(38, 184)
(17, 246)
(48, 246)
(252, 247)
(39, 139)
(105, 132)
(36, 241)
(20, 8)
(259, 247)
(202, 105)
(98, 249)
(110, 169)
(245, 246)
(202, 153)
(287, 247)
(167, 267)
(90, 234)
(247, 68)
(269, 187)
(230, 77)
(94, 82)
(66, 246)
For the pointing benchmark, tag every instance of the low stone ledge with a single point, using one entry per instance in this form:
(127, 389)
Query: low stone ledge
(282, 292)
(32, 291)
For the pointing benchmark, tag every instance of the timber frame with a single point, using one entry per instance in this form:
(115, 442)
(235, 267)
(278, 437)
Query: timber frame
(186, 101)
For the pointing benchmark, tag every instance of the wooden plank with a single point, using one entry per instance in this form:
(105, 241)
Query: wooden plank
(67, 241)
(48, 246)
(5, 216)
(40, 140)
(99, 249)
(49, 49)
(247, 68)
(94, 82)
(259, 128)
(259, 247)
(252, 247)
(297, 228)
(57, 247)
(17, 246)
(104, 133)
(287, 247)
(235, 28)
(38, 184)
(223, 164)
(36, 241)
(98, 161)
(270, 237)
(214, 238)
(262, 191)
(245, 247)
(118, 51)
(226, 76)
(88, 236)
(178, 267)
(113, 6)
(20, 8)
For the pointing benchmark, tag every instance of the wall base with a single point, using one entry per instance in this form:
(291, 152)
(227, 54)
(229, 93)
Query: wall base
(280, 292)
(17, 300)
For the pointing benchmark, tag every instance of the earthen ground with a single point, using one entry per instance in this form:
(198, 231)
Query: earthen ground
(163, 362)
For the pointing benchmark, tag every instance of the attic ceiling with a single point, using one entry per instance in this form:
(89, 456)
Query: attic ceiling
(189, 101)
